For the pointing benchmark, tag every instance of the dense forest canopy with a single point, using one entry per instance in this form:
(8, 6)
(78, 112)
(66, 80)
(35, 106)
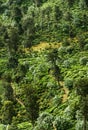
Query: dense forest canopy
(44, 64)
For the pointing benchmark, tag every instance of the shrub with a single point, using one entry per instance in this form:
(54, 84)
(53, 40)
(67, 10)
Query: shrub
(7, 112)
(44, 122)
(82, 40)
(79, 125)
(62, 50)
(82, 86)
(73, 61)
(57, 100)
(47, 122)
(83, 60)
(2, 127)
(69, 49)
(12, 127)
(66, 64)
(66, 42)
(86, 47)
(62, 123)
(69, 83)
(24, 126)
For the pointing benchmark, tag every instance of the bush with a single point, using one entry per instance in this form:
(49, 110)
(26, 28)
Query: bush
(57, 100)
(7, 112)
(82, 40)
(2, 127)
(62, 123)
(73, 61)
(62, 50)
(69, 49)
(47, 122)
(66, 42)
(25, 126)
(69, 83)
(12, 127)
(83, 60)
(86, 47)
(79, 125)
(81, 85)
(66, 64)
(44, 122)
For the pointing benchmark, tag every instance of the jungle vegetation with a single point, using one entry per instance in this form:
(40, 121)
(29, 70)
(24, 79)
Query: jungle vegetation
(43, 64)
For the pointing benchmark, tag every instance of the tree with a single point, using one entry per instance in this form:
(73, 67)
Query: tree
(31, 103)
(82, 90)
(39, 2)
(7, 112)
(70, 2)
(2, 7)
(16, 15)
(53, 57)
(83, 4)
(12, 41)
(58, 13)
(8, 91)
(29, 30)
(86, 2)
(2, 31)
(44, 122)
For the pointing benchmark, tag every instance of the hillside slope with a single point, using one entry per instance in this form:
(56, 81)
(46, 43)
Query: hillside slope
(44, 65)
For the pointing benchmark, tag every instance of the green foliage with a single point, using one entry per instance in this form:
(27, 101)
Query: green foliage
(69, 83)
(66, 64)
(31, 103)
(82, 90)
(12, 37)
(79, 125)
(81, 85)
(62, 51)
(57, 100)
(25, 126)
(62, 124)
(7, 112)
(12, 127)
(45, 122)
(83, 60)
(8, 91)
(82, 40)
(86, 47)
(70, 49)
(33, 77)
(2, 127)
